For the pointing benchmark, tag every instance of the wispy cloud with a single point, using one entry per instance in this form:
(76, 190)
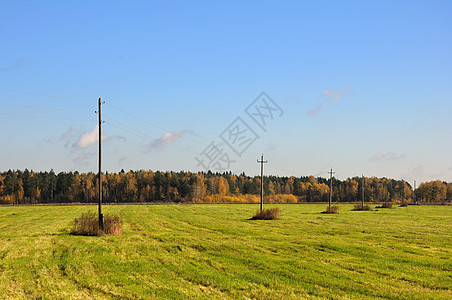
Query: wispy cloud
(166, 139)
(330, 96)
(84, 158)
(388, 156)
(121, 160)
(45, 141)
(292, 100)
(315, 111)
(16, 64)
(271, 147)
(67, 137)
(414, 173)
(336, 95)
(67, 134)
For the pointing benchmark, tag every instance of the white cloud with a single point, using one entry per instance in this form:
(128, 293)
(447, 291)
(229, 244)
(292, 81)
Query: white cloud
(87, 139)
(167, 139)
(388, 156)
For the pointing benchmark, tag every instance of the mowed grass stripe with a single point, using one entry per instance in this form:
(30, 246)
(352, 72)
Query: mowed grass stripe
(214, 251)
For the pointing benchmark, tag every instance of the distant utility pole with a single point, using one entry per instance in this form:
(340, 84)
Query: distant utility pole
(101, 216)
(331, 187)
(362, 185)
(262, 162)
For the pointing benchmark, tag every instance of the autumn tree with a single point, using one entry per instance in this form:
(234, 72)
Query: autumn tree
(199, 187)
(351, 189)
(432, 191)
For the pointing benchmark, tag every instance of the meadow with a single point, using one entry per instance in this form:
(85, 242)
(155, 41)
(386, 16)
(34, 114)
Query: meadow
(216, 252)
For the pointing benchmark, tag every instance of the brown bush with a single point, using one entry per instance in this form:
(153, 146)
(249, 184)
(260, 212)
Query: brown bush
(267, 214)
(385, 205)
(360, 207)
(331, 210)
(88, 224)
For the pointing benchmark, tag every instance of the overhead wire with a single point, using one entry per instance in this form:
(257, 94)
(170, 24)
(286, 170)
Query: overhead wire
(45, 95)
(43, 108)
(145, 136)
(285, 167)
(45, 118)
(111, 122)
(153, 125)
(118, 124)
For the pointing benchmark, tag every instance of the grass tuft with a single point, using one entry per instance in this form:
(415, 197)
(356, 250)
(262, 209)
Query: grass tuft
(331, 210)
(267, 214)
(359, 207)
(88, 224)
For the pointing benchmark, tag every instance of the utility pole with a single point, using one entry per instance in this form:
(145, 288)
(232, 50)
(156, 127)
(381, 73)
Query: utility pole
(101, 216)
(331, 187)
(262, 162)
(362, 186)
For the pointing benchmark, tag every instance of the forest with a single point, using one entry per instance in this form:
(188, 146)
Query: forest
(143, 186)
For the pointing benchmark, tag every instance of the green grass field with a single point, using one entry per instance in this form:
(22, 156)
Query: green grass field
(213, 251)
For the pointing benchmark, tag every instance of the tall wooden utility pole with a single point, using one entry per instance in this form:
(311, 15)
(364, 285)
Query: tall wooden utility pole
(362, 186)
(101, 216)
(331, 187)
(262, 162)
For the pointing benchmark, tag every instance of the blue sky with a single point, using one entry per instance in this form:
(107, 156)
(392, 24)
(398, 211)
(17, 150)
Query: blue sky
(363, 87)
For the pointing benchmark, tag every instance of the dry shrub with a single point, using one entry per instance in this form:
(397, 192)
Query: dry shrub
(88, 224)
(267, 214)
(112, 224)
(360, 207)
(385, 205)
(331, 210)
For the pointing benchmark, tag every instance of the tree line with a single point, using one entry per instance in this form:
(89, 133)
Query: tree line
(28, 187)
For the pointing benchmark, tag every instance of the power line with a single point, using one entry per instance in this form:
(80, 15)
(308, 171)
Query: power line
(46, 95)
(151, 124)
(44, 118)
(129, 131)
(43, 108)
(144, 136)
(122, 126)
